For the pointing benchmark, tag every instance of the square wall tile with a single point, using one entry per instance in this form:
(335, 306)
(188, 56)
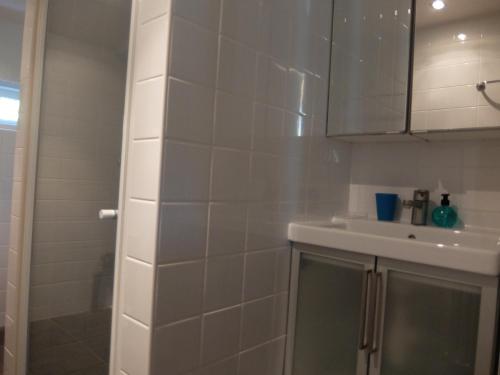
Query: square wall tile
(266, 359)
(176, 348)
(224, 282)
(149, 9)
(257, 325)
(179, 292)
(202, 12)
(280, 314)
(230, 175)
(224, 367)
(148, 103)
(151, 50)
(264, 178)
(134, 347)
(183, 232)
(184, 123)
(227, 228)
(265, 230)
(144, 170)
(259, 274)
(138, 290)
(141, 220)
(237, 68)
(195, 57)
(221, 334)
(240, 20)
(186, 172)
(271, 81)
(268, 129)
(233, 121)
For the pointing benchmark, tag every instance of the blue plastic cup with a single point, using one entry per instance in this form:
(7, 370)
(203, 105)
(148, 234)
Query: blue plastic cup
(386, 206)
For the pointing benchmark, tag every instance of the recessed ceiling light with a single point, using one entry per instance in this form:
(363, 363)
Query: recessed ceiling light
(438, 4)
(462, 36)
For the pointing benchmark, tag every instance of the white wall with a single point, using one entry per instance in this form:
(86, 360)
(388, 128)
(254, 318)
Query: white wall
(470, 171)
(447, 71)
(239, 109)
(245, 153)
(444, 97)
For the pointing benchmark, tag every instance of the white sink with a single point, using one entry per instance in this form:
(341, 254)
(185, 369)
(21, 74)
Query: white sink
(464, 250)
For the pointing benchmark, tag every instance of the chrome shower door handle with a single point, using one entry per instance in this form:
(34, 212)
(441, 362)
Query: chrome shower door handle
(108, 214)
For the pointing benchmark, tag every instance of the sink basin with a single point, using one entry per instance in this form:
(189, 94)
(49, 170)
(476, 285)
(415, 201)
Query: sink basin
(465, 250)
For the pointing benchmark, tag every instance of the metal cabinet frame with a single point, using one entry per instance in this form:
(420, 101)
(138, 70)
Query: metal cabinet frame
(377, 271)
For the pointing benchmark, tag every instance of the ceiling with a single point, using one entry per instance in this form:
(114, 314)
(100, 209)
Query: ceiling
(454, 10)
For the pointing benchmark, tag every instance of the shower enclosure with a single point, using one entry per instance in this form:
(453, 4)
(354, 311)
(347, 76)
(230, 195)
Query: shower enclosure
(77, 174)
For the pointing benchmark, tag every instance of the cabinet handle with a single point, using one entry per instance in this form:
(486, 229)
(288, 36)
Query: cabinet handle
(376, 320)
(364, 309)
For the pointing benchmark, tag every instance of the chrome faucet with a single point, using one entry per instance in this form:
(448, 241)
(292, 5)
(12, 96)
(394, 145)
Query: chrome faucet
(419, 206)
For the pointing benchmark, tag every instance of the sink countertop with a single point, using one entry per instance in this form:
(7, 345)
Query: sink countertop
(464, 250)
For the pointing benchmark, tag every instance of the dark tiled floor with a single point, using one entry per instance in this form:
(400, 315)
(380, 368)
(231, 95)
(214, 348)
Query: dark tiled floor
(71, 345)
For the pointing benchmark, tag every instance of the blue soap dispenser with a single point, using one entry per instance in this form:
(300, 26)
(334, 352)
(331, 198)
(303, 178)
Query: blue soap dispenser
(445, 216)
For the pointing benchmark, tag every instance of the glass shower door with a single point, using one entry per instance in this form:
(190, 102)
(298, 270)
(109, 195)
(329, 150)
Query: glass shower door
(78, 169)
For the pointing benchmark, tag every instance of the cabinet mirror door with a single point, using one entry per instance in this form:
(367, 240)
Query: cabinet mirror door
(456, 70)
(370, 67)
(433, 322)
(327, 313)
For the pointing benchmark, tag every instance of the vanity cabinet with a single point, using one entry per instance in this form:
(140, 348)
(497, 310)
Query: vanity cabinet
(352, 314)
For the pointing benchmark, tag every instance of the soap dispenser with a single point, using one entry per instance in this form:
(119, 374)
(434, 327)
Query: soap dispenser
(445, 216)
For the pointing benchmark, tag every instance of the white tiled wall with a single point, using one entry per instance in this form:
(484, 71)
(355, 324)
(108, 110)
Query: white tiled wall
(244, 154)
(447, 70)
(470, 171)
(7, 150)
(143, 154)
(78, 161)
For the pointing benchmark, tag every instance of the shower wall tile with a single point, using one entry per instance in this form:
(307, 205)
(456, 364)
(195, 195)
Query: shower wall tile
(200, 12)
(245, 127)
(176, 347)
(138, 280)
(175, 303)
(147, 114)
(138, 290)
(195, 59)
(468, 170)
(140, 228)
(152, 47)
(134, 338)
(184, 123)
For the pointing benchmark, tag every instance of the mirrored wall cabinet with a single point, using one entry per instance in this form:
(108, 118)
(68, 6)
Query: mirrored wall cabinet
(415, 69)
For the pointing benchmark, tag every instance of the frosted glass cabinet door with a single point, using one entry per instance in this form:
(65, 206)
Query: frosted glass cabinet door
(328, 317)
(433, 323)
